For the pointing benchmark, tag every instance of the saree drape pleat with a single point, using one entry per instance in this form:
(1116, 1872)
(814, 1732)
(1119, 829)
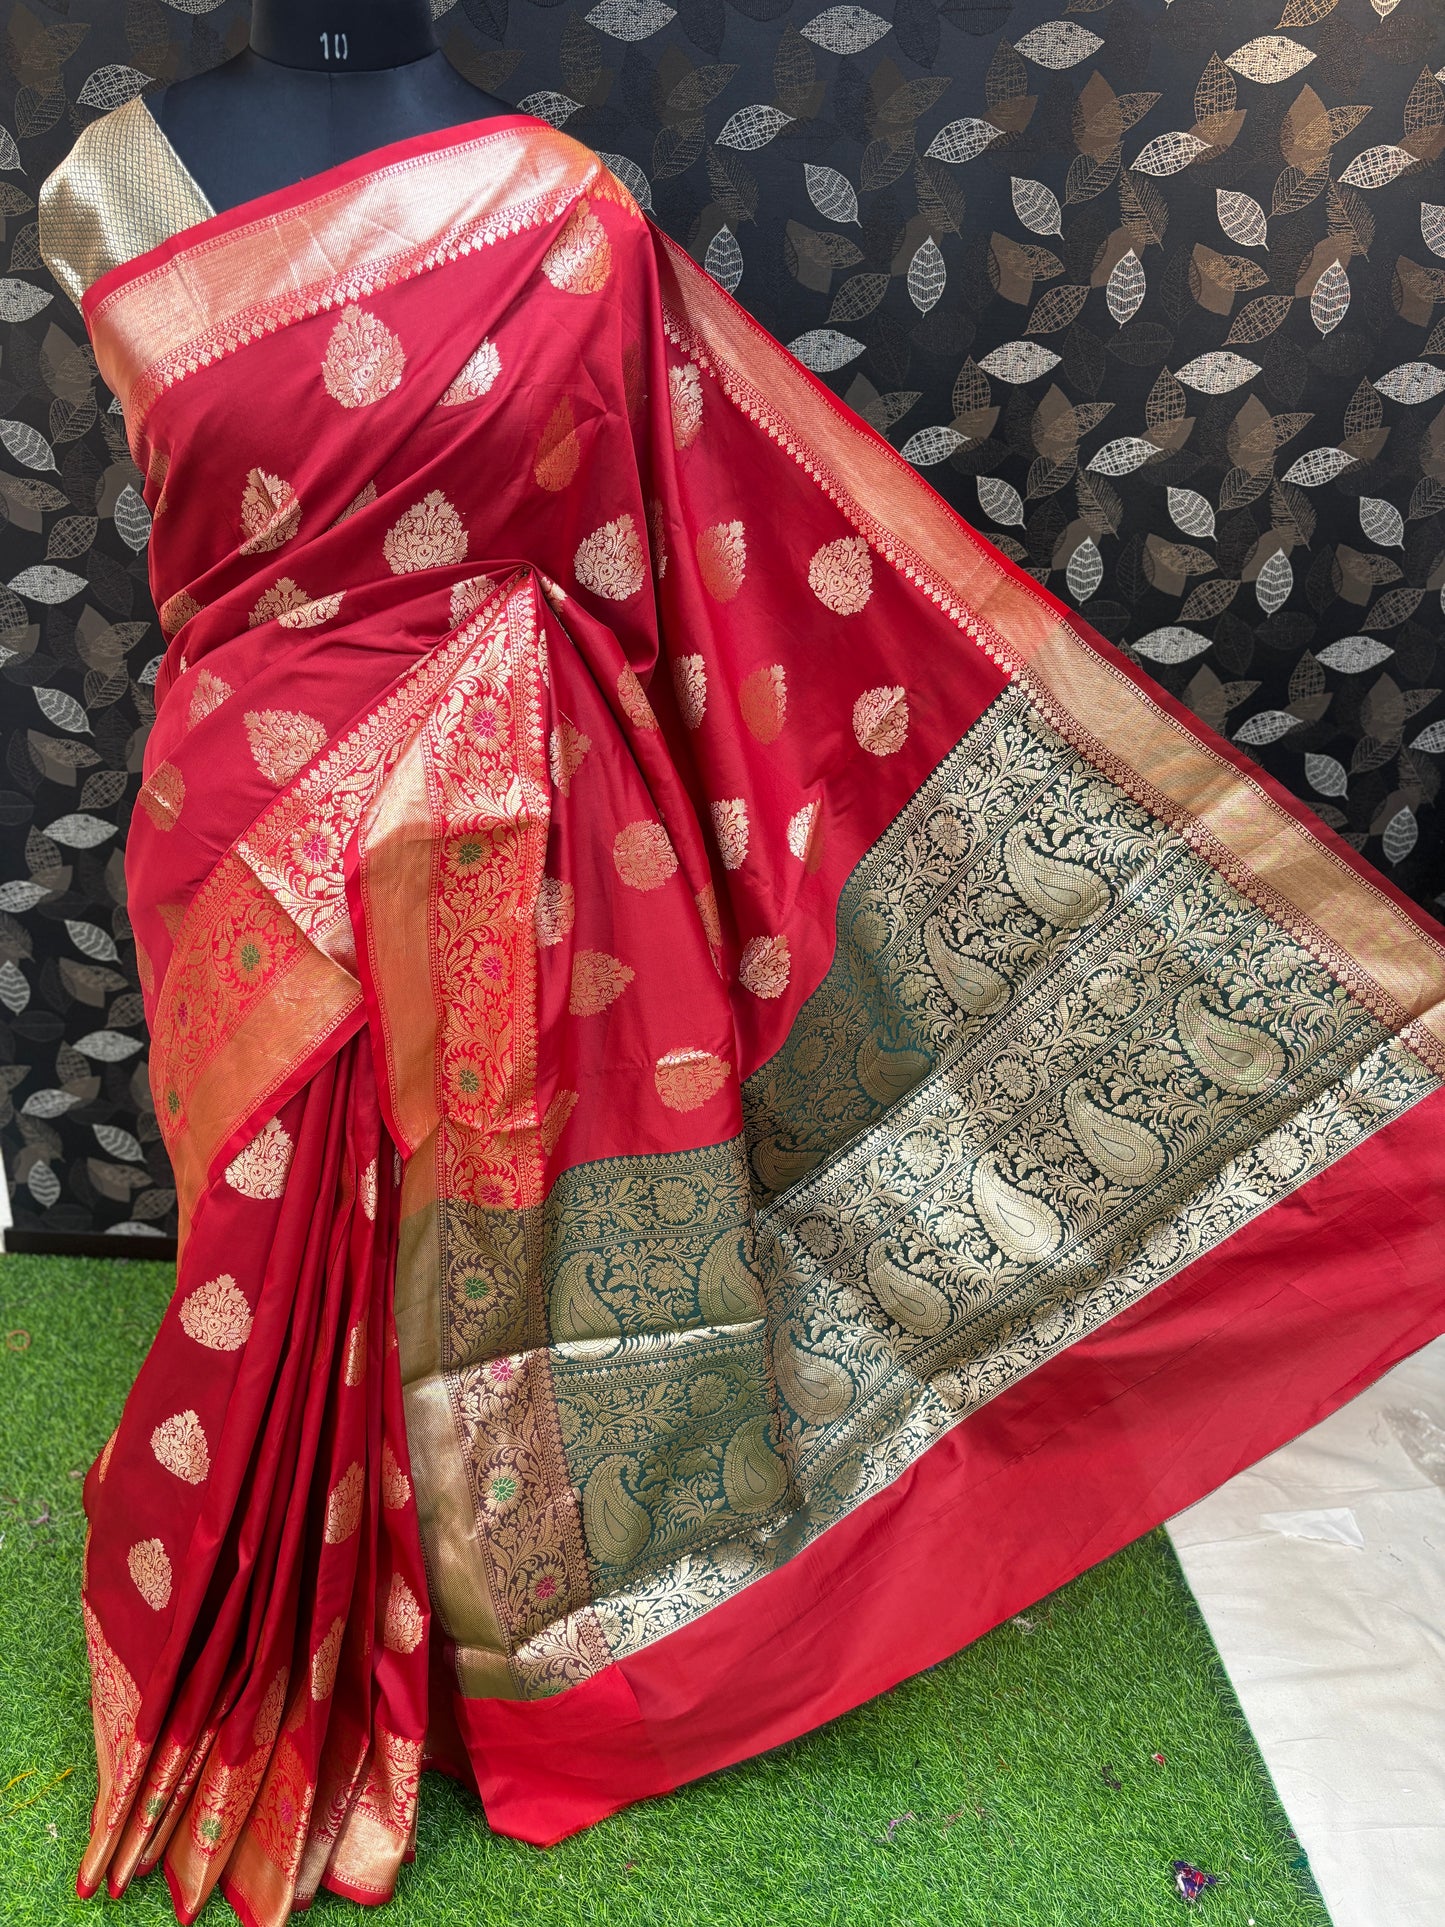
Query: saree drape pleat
(747, 1096)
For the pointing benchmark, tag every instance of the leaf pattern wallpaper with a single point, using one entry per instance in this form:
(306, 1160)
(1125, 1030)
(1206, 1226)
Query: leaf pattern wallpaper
(1152, 293)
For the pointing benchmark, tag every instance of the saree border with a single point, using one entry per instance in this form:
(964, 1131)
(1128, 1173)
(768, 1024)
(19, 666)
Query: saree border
(1368, 935)
(383, 225)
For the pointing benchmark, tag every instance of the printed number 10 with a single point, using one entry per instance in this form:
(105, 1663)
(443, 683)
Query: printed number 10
(333, 46)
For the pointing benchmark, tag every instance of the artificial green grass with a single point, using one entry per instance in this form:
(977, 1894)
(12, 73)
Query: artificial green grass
(1011, 1787)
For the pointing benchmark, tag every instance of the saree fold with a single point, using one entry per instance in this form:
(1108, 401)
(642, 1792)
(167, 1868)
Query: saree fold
(747, 1095)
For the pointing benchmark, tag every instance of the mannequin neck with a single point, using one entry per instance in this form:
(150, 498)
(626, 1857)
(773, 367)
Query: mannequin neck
(342, 36)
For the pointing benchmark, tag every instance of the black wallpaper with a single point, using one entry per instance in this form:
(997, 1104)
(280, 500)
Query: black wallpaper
(1154, 294)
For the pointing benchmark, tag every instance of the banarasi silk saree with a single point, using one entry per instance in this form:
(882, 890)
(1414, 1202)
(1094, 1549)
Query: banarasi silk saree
(747, 1095)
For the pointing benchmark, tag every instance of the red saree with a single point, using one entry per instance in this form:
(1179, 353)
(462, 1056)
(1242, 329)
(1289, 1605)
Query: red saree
(747, 1094)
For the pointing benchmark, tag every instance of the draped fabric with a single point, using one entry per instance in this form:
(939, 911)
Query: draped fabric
(746, 1095)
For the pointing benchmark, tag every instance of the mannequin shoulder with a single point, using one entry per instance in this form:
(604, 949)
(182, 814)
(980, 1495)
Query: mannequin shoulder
(121, 189)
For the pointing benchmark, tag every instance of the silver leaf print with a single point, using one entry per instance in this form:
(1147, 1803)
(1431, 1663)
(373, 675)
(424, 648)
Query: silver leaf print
(108, 87)
(1001, 501)
(1273, 584)
(1171, 644)
(550, 106)
(44, 582)
(26, 444)
(117, 1143)
(1169, 153)
(107, 1046)
(1378, 166)
(1351, 654)
(1382, 522)
(1269, 59)
(1267, 726)
(724, 259)
(1036, 206)
(1123, 456)
(1190, 511)
(1019, 361)
(631, 177)
(1432, 227)
(14, 990)
(1400, 835)
(1241, 217)
(1431, 739)
(132, 519)
(962, 140)
(845, 30)
(752, 127)
(824, 349)
(43, 1185)
(62, 710)
(630, 19)
(931, 445)
(927, 276)
(1126, 287)
(1331, 298)
(1058, 44)
(1326, 776)
(1412, 382)
(1085, 571)
(1318, 466)
(1217, 372)
(19, 300)
(79, 831)
(831, 193)
(92, 941)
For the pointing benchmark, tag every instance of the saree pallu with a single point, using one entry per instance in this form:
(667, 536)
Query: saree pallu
(747, 1095)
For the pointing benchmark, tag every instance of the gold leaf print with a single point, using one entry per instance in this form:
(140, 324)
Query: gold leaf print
(689, 679)
(687, 1079)
(325, 1659)
(430, 535)
(363, 359)
(597, 981)
(765, 966)
(283, 594)
(150, 1569)
(283, 741)
(217, 1315)
(179, 1444)
(722, 559)
(163, 795)
(580, 259)
(730, 826)
(176, 611)
(632, 698)
(270, 512)
(343, 1507)
(559, 450)
(395, 1485)
(610, 562)
(643, 855)
(259, 1170)
(403, 1624)
(310, 615)
(207, 695)
(880, 720)
(566, 750)
(684, 389)
(763, 699)
(556, 907)
(841, 575)
(474, 377)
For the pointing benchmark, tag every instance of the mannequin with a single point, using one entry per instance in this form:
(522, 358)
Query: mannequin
(321, 82)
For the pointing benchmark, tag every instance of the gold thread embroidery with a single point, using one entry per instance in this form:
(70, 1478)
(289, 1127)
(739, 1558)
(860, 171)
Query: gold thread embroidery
(163, 795)
(763, 699)
(841, 575)
(686, 1079)
(722, 559)
(580, 259)
(597, 981)
(559, 451)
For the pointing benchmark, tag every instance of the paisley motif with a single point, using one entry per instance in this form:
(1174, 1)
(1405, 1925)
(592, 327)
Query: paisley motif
(910, 1301)
(1126, 1151)
(817, 1388)
(617, 1527)
(1064, 893)
(974, 986)
(1023, 1227)
(754, 1475)
(1229, 1051)
(728, 1292)
(576, 1311)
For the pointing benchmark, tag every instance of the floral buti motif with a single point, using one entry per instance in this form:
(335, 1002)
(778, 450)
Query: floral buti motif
(763, 699)
(217, 1315)
(150, 1571)
(430, 535)
(580, 259)
(765, 966)
(684, 389)
(610, 562)
(730, 827)
(643, 855)
(689, 679)
(363, 359)
(270, 512)
(176, 611)
(275, 602)
(597, 981)
(841, 575)
(722, 557)
(259, 1171)
(325, 1659)
(310, 615)
(404, 1623)
(283, 742)
(474, 377)
(880, 720)
(209, 693)
(343, 1507)
(687, 1079)
(179, 1444)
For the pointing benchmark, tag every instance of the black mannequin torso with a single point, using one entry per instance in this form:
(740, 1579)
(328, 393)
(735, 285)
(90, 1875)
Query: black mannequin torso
(321, 82)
